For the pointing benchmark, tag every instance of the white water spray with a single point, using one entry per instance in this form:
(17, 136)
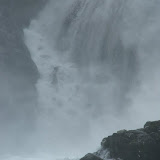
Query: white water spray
(95, 59)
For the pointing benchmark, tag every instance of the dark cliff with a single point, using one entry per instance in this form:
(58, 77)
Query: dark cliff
(18, 73)
(140, 144)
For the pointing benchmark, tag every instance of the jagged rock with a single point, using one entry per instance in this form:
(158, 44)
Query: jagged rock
(140, 144)
(151, 127)
(121, 131)
(90, 156)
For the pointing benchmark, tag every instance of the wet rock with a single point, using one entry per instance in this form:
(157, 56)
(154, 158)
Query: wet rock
(152, 127)
(140, 144)
(90, 156)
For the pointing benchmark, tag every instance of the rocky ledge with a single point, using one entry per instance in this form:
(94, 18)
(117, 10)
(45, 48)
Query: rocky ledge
(140, 144)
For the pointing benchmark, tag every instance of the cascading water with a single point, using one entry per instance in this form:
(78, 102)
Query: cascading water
(98, 62)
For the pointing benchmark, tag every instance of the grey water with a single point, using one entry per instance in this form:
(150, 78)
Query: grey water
(99, 71)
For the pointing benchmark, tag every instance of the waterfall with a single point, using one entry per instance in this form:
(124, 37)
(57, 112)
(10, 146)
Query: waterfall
(98, 63)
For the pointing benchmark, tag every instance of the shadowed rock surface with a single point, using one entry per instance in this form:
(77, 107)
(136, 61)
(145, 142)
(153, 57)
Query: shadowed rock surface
(140, 144)
(18, 73)
(90, 156)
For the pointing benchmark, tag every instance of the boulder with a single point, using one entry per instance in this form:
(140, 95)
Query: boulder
(140, 144)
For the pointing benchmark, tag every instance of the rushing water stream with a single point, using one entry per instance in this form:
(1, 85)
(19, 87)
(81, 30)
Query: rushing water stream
(99, 67)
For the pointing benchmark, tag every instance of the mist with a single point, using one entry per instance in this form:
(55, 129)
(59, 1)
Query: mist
(97, 71)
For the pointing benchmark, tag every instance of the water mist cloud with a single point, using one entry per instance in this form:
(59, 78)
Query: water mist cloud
(107, 56)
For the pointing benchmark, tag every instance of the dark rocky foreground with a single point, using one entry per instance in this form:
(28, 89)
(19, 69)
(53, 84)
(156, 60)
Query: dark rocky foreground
(140, 144)
(18, 73)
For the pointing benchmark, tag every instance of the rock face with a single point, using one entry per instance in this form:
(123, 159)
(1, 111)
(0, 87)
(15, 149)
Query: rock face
(140, 144)
(90, 156)
(18, 73)
(20, 11)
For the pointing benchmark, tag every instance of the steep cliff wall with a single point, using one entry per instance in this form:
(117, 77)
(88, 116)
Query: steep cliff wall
(18, 73)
